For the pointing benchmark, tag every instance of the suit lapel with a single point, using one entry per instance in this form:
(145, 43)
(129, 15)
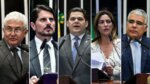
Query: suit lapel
(34, 60)
(84, 43)
(143, 55)
(25, 59)
(68, 50)
(10, 58)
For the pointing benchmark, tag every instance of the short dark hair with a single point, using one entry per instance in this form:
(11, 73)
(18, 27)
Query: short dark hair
(77, 9)
(37, 9)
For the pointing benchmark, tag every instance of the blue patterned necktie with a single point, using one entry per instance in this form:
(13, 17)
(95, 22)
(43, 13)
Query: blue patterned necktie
(74, 51)
(136, 54)
(46, 61)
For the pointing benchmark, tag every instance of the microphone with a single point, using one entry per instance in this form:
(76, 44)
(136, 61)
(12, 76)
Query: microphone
(43, 44)
(76, 46)
(24, 48)
(41, 48)
(61, 43)
(142, 43)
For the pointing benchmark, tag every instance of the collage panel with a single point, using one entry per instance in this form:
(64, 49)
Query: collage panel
(106, 42)
(74, 50)
(14, 52)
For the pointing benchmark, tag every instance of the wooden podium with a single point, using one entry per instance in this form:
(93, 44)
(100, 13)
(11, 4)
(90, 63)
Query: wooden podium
(65, 79)
(142, 78)
(50, 78)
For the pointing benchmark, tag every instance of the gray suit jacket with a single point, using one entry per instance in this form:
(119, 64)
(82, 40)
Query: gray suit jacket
(8, 72)
(79, 71)
(34, 60)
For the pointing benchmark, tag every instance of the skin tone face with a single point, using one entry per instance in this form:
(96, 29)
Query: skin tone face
(105, 25)
(14, 32)
(44, 25)
(136, 26)
(77, 23)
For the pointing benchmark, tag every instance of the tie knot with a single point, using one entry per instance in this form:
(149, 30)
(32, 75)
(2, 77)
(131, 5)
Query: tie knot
(76, 38)
(14, 49)
(47, 46)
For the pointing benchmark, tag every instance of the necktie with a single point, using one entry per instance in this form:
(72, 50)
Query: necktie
(46, 59)
(17, 60)
(74, 51)
(136, 54)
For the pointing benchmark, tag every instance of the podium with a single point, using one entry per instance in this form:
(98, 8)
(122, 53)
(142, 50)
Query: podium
(50, 78)
(65, 79)
(142, 78)
(99, 75)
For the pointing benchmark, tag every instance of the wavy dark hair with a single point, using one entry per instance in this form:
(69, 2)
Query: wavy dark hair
(114, 29)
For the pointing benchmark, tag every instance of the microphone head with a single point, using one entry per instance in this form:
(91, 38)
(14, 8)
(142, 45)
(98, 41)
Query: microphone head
(43, 44)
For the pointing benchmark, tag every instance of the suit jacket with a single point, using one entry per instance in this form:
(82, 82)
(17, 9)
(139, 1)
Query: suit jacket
(8, 72)
(127, 60)
(79, 71)
(35, 68)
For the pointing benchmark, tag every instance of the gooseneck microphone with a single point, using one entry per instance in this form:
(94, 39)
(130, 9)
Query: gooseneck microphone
(76, 46)
(41, 48)
(24, 48)
(142, 44)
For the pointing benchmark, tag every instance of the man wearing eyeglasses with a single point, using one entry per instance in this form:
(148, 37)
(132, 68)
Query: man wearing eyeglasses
(14, 60)
(135, 46)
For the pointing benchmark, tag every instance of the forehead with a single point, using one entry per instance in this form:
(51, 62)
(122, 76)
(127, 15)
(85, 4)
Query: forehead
(136, 17)
(105, 16)
(14, 23)
(43, 13)
(76, 14)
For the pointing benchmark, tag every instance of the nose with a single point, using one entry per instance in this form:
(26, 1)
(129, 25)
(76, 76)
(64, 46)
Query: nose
(13, 32)
(105, 23)
(134, 24)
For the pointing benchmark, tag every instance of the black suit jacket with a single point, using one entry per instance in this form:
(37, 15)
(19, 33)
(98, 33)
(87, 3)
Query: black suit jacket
(79, 71)
(8, 72)
(127, 60)
(34, 60)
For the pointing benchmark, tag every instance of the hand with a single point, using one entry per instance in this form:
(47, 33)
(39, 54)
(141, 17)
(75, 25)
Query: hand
(108, 70)
(33, 80)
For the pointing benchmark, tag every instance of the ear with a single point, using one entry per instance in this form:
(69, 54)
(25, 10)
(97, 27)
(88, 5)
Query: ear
(32, 25)
(145, 28)
(86, 24)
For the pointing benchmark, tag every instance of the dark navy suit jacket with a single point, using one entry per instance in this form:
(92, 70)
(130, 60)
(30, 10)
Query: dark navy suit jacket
(127, 61)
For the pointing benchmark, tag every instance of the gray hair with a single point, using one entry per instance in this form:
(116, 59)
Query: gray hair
(140, 12)
(17, 16)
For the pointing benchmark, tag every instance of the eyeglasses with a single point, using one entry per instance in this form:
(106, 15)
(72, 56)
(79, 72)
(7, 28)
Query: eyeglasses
(103, 21)
(16, 30)
(137, 22)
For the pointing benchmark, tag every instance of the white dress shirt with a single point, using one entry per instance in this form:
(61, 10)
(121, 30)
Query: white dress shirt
(51, 52)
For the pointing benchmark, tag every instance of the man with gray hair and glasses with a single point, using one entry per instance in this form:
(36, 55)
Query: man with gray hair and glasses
(14, 56)
(135, 46)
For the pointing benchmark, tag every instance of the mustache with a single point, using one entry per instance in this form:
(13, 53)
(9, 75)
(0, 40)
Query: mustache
(48, 27)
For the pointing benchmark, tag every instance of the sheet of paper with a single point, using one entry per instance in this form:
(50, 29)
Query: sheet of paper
(97, 60)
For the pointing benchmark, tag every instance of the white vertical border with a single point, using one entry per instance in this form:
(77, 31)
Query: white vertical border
(148, 14)
(26, 13)
(81, 4)
(124, 15)
(97, 6)
(119, 17)
(2, 15)
(51, 3)
(65, 19)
